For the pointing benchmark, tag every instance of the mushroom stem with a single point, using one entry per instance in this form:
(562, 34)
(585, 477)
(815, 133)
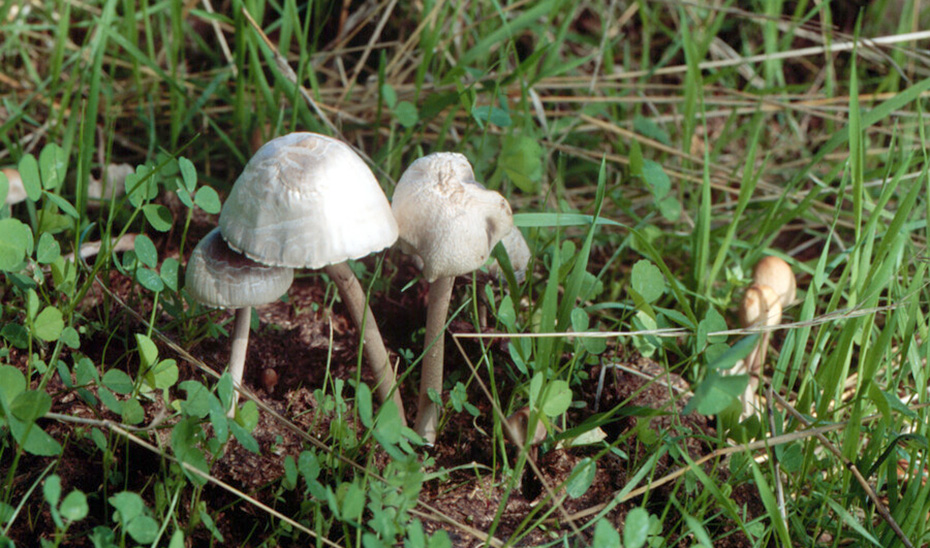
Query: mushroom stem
(373, 345)
(440, 293)
(240, 343)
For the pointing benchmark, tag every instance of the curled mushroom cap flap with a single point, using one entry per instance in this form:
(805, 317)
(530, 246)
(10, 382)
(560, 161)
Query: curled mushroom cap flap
(518, 251)
(219, 276)
(445, 217)
(306, 201)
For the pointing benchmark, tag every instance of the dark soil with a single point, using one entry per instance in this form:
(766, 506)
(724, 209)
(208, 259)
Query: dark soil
(307, 343)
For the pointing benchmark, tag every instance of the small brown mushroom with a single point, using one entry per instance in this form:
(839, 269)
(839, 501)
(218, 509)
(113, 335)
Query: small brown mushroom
(16, 192)
(775, 273)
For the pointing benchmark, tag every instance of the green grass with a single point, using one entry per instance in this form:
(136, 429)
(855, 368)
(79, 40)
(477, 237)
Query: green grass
(653, 153)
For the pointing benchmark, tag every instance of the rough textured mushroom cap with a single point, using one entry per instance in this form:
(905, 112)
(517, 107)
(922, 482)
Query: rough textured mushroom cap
(447, 218)
(776, 273)
(17, 192)
(306, 201)
(761, 306)
(218, 276)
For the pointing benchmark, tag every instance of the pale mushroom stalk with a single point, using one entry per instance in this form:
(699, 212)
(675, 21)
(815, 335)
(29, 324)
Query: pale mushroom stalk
(353, 295)
(237, 351)
(437, 310)
(761, 307)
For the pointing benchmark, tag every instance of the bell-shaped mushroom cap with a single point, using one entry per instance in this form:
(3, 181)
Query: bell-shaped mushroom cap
(218, 276)
(775, 273)
(761, 307)
(306, 201)
(447, 218)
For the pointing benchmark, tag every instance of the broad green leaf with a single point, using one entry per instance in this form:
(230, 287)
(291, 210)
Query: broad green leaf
(169, 273)
(197, 403)
(657, 179)
(389, 95)
(558, 398)
(605, 536)
(48, 324)
(150, 279)
(15, 243)
(51, 490)
(363, 403)
(737, 352)
(164, 374)
(248, 415)
(29, 171)
(244, 437)
(148, 352)
(647, 280)
(485, 114)
(188, 173)
(158, 216)
(53, 164)
(74, 507)
(47, 250)
(177, 539)
(636, 528)
(581, 478)
(670, 208)
(31, 405)
(521, 160)
(128, 504)
(118, 381)
(353, 503)
(66, 207)
(406, 114)
(132, 412)
(208, 200)
(716, 392)
(146, 251)
(33, 439)
(12, 384)
(648, 128)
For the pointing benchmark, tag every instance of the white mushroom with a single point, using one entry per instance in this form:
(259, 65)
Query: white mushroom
(452, 223)
(219, 276)
(308, 201)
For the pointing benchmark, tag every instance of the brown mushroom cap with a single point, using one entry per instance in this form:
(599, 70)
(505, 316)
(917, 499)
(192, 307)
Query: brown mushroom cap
(446, 217)
(776, 273)
(16, 192)
(306, 201)
(519, 423)
(219, 276)
(761, 306)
